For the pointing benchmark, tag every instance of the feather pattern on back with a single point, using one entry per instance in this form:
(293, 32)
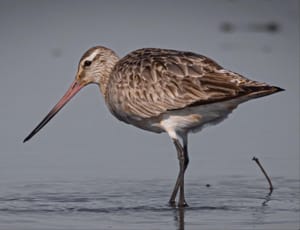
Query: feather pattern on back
(150, 81)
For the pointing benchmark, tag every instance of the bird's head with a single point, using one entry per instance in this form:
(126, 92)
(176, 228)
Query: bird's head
(95, 66)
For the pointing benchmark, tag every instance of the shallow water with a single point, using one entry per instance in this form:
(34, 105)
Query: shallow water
(230, 203)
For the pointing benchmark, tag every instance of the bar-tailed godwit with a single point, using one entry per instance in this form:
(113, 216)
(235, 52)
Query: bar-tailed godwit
(162, 90)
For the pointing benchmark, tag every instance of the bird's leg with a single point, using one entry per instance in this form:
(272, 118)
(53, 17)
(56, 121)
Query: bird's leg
(178, 181)
(183, 163)
(175, 190)
(186, 155)
(182, 201)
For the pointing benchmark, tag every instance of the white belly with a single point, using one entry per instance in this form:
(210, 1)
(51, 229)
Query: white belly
(189, 119)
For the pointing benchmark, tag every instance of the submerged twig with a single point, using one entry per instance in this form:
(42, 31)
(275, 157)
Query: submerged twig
(266, 175)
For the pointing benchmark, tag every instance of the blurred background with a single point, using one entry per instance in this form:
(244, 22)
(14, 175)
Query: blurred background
(41, 43)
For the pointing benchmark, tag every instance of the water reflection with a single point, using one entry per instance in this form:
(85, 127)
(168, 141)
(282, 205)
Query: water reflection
(267, 198)
(234, 202)
(179, 217)
(260, 213)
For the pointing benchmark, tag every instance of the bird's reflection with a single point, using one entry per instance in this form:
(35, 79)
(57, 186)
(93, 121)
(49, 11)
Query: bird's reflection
(179, 217)
(179, 212)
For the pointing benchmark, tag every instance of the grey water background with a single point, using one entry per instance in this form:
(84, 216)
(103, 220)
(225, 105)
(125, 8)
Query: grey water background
(86, 170)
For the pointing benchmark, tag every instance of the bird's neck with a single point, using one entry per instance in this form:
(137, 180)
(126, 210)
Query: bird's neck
(103, 84)
(105, 76)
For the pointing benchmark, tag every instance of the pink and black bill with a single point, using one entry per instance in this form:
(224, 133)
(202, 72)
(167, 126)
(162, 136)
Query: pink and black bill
(74, 88)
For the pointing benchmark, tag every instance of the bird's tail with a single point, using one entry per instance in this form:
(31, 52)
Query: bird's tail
(262, 90)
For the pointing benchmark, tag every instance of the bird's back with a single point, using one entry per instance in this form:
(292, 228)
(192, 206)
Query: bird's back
(149, 83)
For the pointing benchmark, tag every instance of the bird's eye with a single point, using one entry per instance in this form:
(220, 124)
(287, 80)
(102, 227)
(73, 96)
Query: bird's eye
(87, 63)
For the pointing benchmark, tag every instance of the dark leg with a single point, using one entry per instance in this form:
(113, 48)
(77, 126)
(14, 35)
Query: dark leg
(183, 163)
(186, 155)
(174, 193)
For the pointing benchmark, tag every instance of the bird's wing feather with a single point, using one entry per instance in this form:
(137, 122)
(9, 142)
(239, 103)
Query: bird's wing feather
(149, 82)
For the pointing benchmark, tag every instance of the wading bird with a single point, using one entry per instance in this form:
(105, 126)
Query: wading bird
(162, 90)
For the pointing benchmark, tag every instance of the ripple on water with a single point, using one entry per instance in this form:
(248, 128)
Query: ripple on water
(239, 202)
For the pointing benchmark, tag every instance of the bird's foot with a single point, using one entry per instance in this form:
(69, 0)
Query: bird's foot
(172, 203)
(182, 204)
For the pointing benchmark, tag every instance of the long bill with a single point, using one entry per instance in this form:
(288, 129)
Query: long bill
(74, 88)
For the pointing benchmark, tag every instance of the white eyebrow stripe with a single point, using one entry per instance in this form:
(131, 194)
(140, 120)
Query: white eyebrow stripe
(92, 56)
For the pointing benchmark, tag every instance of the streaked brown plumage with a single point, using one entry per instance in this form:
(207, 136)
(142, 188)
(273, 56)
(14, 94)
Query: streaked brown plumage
(162, 90)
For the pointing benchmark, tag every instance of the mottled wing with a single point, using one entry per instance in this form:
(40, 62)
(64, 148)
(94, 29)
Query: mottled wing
(148, 82)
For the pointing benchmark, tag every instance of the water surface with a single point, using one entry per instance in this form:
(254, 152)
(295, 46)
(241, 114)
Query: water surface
(228, 203)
